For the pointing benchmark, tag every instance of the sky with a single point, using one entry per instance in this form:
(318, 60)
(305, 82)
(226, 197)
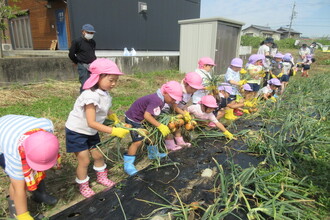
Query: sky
(312, 17)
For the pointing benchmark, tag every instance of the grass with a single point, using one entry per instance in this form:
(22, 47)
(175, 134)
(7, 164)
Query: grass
(293, 185)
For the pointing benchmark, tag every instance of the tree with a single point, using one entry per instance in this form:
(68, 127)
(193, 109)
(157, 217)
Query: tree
(6, 13)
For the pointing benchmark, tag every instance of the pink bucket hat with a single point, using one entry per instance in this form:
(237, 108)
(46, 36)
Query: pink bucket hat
(209, 101)
(100, 66)
(194, 80)
(237, 62)
(279, 55)
(226, 88)
(205, 60)
(247, 87)
(41, 150)
(174, 89)
(274, 82)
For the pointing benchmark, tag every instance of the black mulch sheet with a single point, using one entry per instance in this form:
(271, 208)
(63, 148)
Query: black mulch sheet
(185, 178)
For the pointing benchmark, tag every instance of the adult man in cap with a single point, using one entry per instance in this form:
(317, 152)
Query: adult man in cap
(82, 52)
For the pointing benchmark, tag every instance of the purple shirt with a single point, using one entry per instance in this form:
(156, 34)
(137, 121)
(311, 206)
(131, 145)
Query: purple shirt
(150, 103)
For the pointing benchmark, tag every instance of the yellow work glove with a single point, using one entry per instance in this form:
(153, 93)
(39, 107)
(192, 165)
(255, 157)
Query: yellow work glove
(24, 216)
(164, 130)
(228, 134)
(248, 104)
(273, 76)
(114, 118)
(246, 111)
(243, 71)
(273, 99)
(187, 117)
(242, 82)
(119, 132)
(279, 75)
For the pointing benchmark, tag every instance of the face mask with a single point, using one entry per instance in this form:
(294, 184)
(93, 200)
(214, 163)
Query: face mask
(89, 36)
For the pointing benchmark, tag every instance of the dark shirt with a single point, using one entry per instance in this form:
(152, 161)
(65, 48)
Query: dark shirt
(82, 51)
(222, 103)
(149, 103)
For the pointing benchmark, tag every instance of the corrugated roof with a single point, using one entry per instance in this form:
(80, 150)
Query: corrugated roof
(262, 28)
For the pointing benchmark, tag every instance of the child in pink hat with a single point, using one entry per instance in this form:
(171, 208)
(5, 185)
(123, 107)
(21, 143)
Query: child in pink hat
(148, 108)
(205, 65)
(27, 149)
(268, 91)
(191, 83)
(86, 119)
(307, 65)
(255, 69)
(204, 111)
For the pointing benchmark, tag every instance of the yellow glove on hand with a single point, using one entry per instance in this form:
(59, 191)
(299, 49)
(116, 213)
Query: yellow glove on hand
(164, 130)
(279, 75)
(119, 132)
(248, 104)
(24, 216)
(114, 118)
(228, 135)
(187, 117)
(273, 76)
(243, 71)
(242, 82)
(246, 111)
(273, 99)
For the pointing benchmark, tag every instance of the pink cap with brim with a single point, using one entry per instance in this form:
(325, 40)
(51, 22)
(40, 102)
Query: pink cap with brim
(205, 61)
(279, 55)
(209, 101)
(41, 150)
(237, 62)
(228, 89)
(274, 81)
(247, 87)
(194, 80)
(174, 89)
(100, 66)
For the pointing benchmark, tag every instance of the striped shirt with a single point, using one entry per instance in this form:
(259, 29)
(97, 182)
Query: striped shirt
(12, 127)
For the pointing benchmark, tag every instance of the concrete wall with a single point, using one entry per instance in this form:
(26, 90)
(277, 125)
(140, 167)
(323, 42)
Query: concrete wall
(27, 70)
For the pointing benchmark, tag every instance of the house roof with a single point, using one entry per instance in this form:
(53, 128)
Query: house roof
(283, 29)
(262, 28)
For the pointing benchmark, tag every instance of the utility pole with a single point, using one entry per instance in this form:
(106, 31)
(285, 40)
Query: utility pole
(293, 14)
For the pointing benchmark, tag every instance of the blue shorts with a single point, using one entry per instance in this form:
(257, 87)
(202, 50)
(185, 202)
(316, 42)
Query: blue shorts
(2, 161)
(76, 142)
(307, 67)
(285, 78)
(134, 134)
(254, 86)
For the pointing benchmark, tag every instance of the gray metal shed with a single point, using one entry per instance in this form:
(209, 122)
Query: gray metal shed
(218, 38)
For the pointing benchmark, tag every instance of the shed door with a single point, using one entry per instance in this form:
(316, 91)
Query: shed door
(226, 45)
(21, 33)
(61, 30)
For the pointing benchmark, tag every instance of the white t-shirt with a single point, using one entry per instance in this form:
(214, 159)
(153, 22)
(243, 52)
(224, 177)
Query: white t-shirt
(200, 93)
(265, 90)
(263, 49)
(77, 121)
(196, 110)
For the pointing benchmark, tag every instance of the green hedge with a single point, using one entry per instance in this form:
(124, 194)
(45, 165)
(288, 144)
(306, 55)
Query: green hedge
(255, 42)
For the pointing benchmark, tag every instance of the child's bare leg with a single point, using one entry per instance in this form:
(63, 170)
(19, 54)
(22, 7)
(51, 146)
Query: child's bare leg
(98, 157)
(83, 162)
(134, 147)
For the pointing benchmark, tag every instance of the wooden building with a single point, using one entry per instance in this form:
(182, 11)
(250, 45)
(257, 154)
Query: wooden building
(142, 24)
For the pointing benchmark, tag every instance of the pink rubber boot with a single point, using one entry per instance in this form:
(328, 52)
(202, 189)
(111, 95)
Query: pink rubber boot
(84, 188)
(102, 178)
(179, 141)
(170, 145)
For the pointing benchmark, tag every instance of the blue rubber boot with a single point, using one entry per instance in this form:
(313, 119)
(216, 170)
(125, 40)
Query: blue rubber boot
(129, 167)
(153, 153)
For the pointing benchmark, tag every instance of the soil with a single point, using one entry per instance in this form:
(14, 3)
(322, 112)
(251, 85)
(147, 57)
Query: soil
(180, 172)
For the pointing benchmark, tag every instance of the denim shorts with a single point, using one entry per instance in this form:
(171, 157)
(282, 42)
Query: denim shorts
(2, 161)
(76, 142)
(134, 135)
(254, 86)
